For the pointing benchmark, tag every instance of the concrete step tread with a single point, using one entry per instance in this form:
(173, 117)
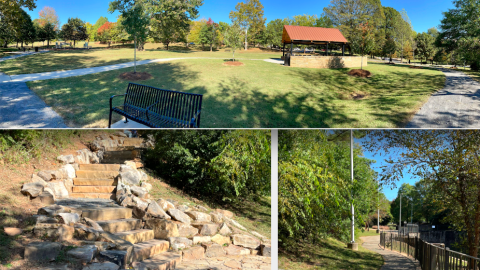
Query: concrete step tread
(147, 249)
(166, 260)
(136, 236)
(99, 167)
(92, 195)
(93, 189)
(94, 182)
(120, 225)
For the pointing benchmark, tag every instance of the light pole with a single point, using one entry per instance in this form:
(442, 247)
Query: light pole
(352, 245)
(378, 210)
(411, 212)
(400, 217)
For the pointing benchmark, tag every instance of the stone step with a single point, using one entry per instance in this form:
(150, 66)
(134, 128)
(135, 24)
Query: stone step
(136, 236)
(107, 213)
(120, 225)
(93, 195)
(94, 182)
(163, 261)
(119, 157)
(145, 250)
(99, 167)
(97, 174)
(93, 189)
(137, 142)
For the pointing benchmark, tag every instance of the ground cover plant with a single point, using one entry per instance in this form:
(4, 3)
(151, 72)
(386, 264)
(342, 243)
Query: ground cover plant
(258, 94)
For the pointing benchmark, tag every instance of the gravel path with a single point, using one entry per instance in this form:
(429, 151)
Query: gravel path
(393, 260)
(457, 105)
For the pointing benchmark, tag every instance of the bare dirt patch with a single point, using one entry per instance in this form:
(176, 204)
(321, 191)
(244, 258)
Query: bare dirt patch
(138, 76)
(236, 63)
(360, 73)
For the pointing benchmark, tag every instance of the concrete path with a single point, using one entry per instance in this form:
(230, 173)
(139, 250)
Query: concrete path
(20, 54)
(393, 260)
(21, 108)
(457, 105)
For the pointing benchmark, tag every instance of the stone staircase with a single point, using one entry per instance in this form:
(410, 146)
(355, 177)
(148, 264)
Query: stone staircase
(153, 253)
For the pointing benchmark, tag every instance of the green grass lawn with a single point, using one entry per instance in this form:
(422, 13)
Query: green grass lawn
(258, 94)
(101, 56)
(330, 254)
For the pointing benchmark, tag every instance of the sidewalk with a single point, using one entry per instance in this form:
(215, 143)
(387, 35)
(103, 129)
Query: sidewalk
(393, 260)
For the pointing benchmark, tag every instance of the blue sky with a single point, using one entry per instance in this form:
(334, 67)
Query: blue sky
(390, 192)
(423, 13)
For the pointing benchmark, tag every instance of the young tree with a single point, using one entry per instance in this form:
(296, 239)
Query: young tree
(194, 33)
(233, 37)
(249, 15)
(90, 31)
(390, 47)
(48, 15)
(74, 30)
(362, 40)
(40, 32)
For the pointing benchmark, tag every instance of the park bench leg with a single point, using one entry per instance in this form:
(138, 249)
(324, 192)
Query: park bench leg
(126, 120)
(110, 119)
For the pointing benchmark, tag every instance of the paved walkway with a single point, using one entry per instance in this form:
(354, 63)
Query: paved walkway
(21, 108)
(393, 260)
(457, 105)
(20, 54)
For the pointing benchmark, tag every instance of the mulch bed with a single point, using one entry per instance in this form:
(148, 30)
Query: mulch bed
(139, 76)
(360, 73)
(454, 68)
(236, 63)
(416, 67)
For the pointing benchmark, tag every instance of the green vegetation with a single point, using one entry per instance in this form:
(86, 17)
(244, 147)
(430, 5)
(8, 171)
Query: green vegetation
(258, 94)
(220, 165)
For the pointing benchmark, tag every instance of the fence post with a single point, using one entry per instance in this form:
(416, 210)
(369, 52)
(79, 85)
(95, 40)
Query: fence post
(400, 242)
(391, 241)
(445, 267)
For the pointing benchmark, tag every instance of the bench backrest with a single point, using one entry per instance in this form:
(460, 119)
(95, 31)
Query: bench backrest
(177, 105)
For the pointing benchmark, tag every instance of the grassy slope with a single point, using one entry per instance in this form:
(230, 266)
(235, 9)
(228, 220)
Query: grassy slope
(331, 254)
(258, 94)
(74, 59)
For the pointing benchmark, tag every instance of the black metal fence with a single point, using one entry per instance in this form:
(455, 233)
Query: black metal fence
(431, 256)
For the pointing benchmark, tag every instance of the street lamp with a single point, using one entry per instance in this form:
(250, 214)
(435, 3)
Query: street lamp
(352, 245)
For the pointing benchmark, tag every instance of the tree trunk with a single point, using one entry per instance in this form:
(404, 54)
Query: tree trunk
(233, 55)
(211, 47)
(246, 43)
(48, 42)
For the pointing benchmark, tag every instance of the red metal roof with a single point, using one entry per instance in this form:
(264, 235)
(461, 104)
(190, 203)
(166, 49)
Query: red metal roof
(294, 32)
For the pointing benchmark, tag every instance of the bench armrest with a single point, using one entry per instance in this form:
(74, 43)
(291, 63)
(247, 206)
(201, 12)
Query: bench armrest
(148, 108)
(111, 99)
(192, 122)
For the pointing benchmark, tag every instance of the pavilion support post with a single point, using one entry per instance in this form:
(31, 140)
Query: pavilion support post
(326, 52)
(343, 49)
(291, 49)
(284, 49)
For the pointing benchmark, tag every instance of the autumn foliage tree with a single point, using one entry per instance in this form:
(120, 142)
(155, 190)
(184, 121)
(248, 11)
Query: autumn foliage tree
(208, 33)
(48, 15)
(104, 32)
(362, 40)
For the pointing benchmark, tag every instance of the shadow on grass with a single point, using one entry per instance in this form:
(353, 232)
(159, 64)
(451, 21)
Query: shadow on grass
(330, 256)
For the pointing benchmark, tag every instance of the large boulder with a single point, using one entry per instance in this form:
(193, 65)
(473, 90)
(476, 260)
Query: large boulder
(146, 186)
(65, 233)
(236, 250)
(130, 177)
(245, 241)
(139, 191)
(47, 175)
(51, 210)
(199, 216)
(221, 240)
(118, 257)
(186, 230)
(36, 178)
(213, 250)
(179, 243)
(166, 205)
(163, 229)
(155, 210)
(201, 239)
(67, 218)
(234, 223)
(69, 171)
(194, 253)
(140, 203)
(68, 159)
(42, 251)
(224, 230)
(33, 189)
(179, 215)
(217, 217)
(84, 254)
(209, 229)
(59, 189)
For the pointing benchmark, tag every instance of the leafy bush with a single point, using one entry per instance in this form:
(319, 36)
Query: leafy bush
(219, 164)
(475, 66)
